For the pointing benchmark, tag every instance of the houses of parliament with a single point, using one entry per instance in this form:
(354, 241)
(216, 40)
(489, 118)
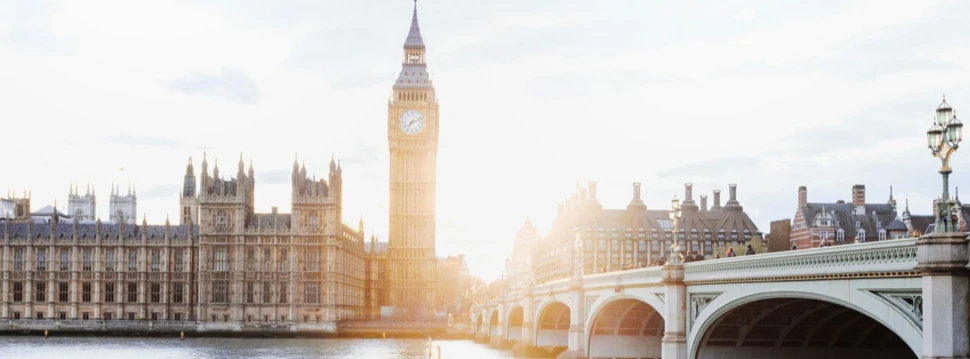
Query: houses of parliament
(224, 266)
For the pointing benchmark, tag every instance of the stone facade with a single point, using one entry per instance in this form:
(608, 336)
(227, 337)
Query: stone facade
(225, 267)
(83, 207)
(123, 207)
(842, 223)
(617, 239)
(518, 267)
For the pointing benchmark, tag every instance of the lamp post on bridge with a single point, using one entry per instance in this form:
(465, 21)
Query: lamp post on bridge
(943, 139)
(675, 214)
(941, 256)
(674, 341)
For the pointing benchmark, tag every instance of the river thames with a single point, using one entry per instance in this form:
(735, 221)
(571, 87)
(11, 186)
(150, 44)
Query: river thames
(22, 347)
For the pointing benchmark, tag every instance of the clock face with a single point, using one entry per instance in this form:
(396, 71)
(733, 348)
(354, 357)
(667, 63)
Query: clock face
(412, 122)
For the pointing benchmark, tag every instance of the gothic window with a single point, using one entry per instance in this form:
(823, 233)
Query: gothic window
(109, 260)
(40, 291)
(266, 292)
(109, 293)
(266, 260)
(156, 260)
(314, 221)
(41, 260)
(86, 260)
(250, 259)
(155, 292)
(18, 259)
(221, 262)
(18, 291)
(311, 261)
(178, 292)
(132, 260)
(63, 292)
(311, 293)
(132, 292)
(283, 261)
(250, 289)
(283, 298)
(220, 292)
(65, 260)
(86, 292)
(179, 264)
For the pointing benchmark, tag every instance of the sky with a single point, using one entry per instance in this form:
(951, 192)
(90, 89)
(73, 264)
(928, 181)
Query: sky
(534, 97)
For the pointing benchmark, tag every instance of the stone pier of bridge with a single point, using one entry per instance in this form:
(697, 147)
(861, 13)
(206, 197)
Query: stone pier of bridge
(902, 298)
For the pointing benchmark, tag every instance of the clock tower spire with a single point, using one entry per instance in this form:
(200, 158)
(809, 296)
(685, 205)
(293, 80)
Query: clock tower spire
(412, 138)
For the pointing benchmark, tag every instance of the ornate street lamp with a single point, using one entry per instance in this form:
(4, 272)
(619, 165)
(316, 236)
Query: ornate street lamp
(675, 218)
(578, 255)
(943, 138)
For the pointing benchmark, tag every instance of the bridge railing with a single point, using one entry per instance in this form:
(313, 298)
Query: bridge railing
(897, 256)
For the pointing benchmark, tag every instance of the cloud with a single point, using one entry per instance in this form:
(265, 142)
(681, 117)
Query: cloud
(160, 191)
(228, 84)
(712, 167)
(30, 28)
(274, 176)
(142, 140)
(745, 15)
(362, 156)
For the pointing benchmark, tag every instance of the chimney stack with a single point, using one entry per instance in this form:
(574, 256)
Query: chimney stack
(592, 191)
(802, 196)
(859, 195)
(688, 191)
(717, 200)
(636, 202)
(732, 192)
(703, 202)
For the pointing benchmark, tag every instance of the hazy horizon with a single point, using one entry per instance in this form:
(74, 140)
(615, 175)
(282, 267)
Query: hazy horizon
(534, 97)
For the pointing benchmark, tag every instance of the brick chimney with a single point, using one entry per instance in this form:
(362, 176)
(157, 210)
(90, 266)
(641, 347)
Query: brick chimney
(717, 200)
(802, 196)
(688, 191)
(636, 203)
(859, 195)
(732, 192)
(703, 202)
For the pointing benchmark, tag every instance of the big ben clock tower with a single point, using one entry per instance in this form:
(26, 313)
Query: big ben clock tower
(412, 138)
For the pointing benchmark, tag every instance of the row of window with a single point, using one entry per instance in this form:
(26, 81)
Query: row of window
(109, 292)
(106, 316)
(110, 264)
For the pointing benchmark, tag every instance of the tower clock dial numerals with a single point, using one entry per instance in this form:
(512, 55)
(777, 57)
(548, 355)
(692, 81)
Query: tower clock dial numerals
(412, 122)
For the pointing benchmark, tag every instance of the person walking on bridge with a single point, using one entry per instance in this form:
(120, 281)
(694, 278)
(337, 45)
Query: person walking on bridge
(749, 251)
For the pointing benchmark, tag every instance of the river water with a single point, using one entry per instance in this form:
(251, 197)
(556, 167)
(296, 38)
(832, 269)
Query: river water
(24, 347)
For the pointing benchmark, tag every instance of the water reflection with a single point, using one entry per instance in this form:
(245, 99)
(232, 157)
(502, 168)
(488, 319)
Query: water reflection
(218, 348)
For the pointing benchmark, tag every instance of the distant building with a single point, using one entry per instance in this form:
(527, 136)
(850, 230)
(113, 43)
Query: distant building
(518, 267)
(123, 207)
(854, 222)
(15, 208)
(779, 237)
(83, 207)
(7, 208)
(616, 239)
(377, 290)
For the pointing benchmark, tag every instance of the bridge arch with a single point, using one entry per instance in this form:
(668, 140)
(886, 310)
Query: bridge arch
(479, 329)
(552, 324)
(492, 323)
(774, 324)
(625, 326)
(513, 323)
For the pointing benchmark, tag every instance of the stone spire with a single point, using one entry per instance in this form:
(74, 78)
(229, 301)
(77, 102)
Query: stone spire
(414, 40)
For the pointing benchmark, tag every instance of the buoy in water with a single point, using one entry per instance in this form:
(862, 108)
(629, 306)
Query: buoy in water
(45, 334)
(383, 336)
(182, 336)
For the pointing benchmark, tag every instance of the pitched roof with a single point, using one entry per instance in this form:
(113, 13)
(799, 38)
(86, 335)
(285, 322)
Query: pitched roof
(875, 217)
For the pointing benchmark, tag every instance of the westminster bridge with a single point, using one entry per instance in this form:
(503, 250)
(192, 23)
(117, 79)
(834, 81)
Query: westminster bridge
(901, 298)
